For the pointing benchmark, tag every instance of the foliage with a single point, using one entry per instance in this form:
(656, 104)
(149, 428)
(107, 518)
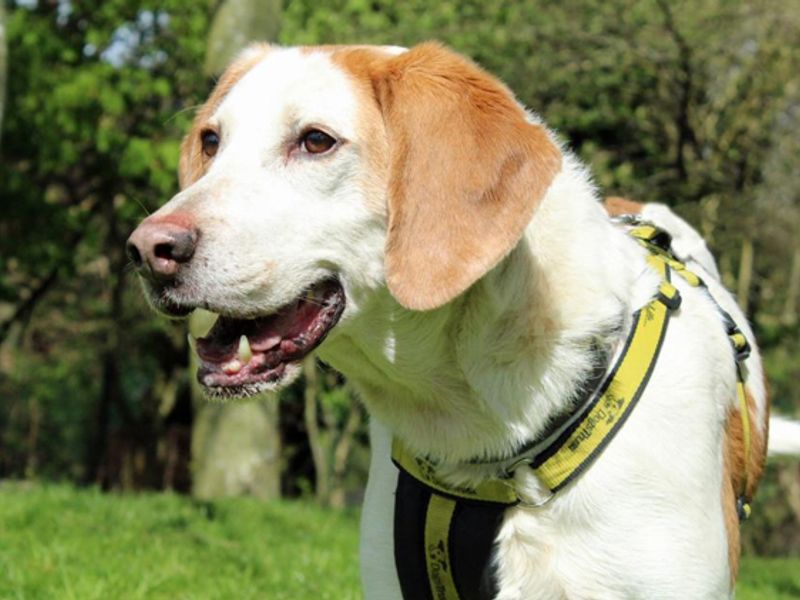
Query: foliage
(90, 124)
(3, 62)
(96, 101)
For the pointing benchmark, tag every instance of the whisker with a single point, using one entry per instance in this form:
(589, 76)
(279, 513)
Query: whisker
(181, 111)
(314, 301)
(140, 203)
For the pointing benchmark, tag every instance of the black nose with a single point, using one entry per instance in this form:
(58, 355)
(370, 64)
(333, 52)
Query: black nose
(158, 249)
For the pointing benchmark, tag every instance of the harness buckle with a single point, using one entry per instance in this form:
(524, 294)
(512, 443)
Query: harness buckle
(743, 508)
(740, 345)
(669, 295)
(511, 468)
(509, 473)
(529, 504)
(650, 234)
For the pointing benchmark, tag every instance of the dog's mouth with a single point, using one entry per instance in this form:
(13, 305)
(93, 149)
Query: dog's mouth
(242, 357)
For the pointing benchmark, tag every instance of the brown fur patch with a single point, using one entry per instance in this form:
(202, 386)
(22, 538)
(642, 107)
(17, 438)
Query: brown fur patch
(357, 62)
(740, 473)
(729, 500)
(466, 170)
(616, 206)
(334, 48)
(193, 163)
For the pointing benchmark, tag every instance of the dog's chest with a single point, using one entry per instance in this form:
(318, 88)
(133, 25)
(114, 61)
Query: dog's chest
(602, 538)
(514, 561)
(517, 561)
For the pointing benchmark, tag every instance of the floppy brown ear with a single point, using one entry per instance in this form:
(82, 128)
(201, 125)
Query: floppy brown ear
(467, 171)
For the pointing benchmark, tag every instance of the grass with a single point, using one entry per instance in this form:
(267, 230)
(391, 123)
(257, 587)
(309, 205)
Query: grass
(56, 542)
(769, 579)
(61, 543)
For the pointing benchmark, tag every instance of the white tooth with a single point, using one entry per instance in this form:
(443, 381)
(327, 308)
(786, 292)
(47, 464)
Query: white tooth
(245, 353)
(232, 367)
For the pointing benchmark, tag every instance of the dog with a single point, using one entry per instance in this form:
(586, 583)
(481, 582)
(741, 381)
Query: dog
(401, 214)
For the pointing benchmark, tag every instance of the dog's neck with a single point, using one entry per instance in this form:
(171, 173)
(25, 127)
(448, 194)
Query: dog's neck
(491, 370)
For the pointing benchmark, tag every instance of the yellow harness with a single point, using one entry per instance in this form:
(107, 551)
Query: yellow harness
(657, 242)
(444, 534)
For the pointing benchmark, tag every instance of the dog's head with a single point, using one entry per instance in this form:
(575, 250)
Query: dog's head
(314, 177)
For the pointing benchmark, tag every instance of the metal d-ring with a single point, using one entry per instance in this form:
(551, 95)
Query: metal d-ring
(509, 472)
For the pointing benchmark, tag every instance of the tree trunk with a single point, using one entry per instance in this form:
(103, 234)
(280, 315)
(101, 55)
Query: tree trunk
(236, 24)
(98, 468)
(330, 445)
(341, 454)
(3, 65)
(34, 427)
(236, 447)
(709, 217)
(789, 314)
(236, 450)
(745, 274)
(316, 438)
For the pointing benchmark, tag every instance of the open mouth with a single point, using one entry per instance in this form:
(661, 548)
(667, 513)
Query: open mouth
(242, 357)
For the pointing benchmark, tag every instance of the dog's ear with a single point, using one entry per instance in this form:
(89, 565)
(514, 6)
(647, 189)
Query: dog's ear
(467, 171)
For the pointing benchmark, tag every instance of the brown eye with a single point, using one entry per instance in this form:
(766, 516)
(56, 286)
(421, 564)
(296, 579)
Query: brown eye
(210, 141)
(316, 142)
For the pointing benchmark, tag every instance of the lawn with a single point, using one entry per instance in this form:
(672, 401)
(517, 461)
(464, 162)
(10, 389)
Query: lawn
(56, 542)
(59, 543)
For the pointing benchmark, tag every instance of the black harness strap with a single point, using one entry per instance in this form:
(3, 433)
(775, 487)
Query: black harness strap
(459, 563)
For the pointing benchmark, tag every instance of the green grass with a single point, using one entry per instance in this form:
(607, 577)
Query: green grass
(769, 579)
(61, 543)
(56, 542)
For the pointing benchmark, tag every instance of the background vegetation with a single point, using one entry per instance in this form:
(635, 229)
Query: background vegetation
(692, 103)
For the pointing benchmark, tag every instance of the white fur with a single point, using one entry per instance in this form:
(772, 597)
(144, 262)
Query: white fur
(490, 369)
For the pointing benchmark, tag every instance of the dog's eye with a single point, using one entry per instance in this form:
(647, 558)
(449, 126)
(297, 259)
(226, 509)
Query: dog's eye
(210, 141)
(316, 142)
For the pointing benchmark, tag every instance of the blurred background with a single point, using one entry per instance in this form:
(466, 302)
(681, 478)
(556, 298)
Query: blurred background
(693, 104)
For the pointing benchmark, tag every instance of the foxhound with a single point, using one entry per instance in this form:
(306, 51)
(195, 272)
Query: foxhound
(563, 404)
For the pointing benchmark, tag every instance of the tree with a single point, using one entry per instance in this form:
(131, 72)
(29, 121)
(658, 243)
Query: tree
(333, 419)
(3, 65)
(90, 140)
(236, 447)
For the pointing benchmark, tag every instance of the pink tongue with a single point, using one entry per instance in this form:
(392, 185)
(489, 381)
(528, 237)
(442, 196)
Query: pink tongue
(264, 333)
(267, 343)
